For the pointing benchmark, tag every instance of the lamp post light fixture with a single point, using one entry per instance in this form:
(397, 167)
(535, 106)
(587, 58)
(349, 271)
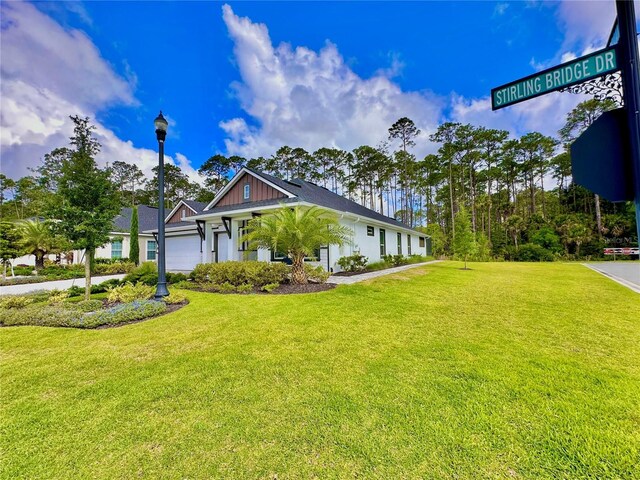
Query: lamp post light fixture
(161, 133)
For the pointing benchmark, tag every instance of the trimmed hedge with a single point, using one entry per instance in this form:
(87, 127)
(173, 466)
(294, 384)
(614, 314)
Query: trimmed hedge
(237, 274)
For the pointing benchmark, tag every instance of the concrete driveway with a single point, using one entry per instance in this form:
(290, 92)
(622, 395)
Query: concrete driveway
(54, 285)
(625, 273)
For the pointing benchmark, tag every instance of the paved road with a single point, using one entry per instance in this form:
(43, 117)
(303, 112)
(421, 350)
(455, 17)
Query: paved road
(367, 276)
(55, 285)
(625, 273)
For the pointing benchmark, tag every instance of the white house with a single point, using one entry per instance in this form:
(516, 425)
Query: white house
(216, 229)
(120, 244)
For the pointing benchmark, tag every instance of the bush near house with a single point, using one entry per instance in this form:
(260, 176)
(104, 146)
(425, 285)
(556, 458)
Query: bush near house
(257, 274)
(353, 263)
(147, 273)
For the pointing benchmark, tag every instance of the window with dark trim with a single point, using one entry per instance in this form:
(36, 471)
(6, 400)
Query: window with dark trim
(370, 231)
(421, 242)
(151, 249)
(409, 244)
(282, 257)
(383, 242)
(399, 243)
(246, 192)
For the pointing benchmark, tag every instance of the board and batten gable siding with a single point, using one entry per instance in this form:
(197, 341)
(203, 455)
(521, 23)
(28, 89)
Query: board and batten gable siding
(182, 212)
(258, 190)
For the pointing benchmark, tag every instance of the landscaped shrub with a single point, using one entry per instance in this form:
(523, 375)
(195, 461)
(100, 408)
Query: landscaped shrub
(109, 261)
(530, 252)
(113, 268)
(146, 272)
(256, 274)
(353, 263)
(89, 305)
(187, 285)
(56, 297)
(105, 286)
(174, 298)
(174, 278)
(245, 288)
(23, 271)
(316, 274)
(130, 292)
(15, 301)
(270, 287)
(395, 260)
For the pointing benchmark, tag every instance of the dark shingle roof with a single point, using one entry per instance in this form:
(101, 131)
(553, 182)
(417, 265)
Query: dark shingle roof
(197, 206)
(312, 193)
(147, 219)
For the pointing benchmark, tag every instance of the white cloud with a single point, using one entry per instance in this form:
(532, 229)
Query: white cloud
(49, 73)
(545, 114)
(300, 97)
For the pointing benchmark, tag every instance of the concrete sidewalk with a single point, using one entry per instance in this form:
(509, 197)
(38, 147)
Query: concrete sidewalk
(369, 275)
(54, 285)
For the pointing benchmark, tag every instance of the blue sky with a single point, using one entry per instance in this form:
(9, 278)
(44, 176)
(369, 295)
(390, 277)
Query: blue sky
(247, 77)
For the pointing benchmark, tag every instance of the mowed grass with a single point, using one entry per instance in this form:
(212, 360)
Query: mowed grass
(503, 371)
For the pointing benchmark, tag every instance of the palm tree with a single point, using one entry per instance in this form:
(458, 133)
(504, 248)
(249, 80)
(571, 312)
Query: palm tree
(298, 232)
(38, 239)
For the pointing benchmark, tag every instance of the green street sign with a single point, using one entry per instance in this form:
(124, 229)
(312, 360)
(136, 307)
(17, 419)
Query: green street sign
(565, 75)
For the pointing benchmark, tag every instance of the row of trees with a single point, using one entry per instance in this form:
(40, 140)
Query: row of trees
(516, 190)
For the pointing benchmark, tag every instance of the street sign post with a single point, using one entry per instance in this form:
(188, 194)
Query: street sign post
(620, 130)
(571, 73)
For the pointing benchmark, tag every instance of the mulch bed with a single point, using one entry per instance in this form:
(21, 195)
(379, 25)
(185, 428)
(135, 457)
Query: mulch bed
(348, 274)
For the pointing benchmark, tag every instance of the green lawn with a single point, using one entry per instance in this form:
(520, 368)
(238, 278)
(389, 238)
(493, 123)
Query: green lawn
(504, 371)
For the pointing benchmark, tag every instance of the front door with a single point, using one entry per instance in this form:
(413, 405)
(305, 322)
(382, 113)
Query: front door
(221, 242)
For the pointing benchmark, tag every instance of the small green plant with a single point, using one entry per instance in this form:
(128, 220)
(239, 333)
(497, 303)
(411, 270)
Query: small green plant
(316, 274)
(130, 292)
(245, 288)
(174, 278)
(146, 273)
(270, 287)
(57, 297)
(175, 298)
(395, 260)
(89, 305)
(353, 263)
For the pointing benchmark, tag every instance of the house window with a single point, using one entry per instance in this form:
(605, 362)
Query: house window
(282, 257)
(151, 250)
(246, 192)
(116, 249)
(383, 242)
(399, 243)
(409, 244)
(370, 231)
(183, 215)
(421, 242)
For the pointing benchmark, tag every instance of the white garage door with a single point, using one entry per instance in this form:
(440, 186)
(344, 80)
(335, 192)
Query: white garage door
(183, 253)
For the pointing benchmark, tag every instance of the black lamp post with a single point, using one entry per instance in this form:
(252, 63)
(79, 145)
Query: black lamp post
(161, 133)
